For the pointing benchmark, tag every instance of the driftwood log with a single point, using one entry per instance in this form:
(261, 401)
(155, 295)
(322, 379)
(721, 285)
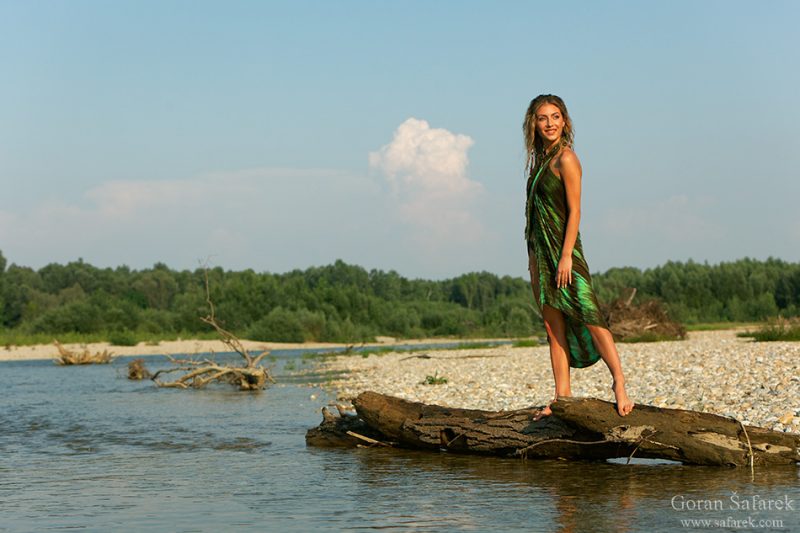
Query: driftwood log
(579, 428)
(70, 357)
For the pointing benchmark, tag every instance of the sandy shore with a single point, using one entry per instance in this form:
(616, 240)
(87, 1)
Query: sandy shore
(190, 346)
(712, 371)
(49, 351)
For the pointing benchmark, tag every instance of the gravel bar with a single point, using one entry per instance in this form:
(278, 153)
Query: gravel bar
(712, 371)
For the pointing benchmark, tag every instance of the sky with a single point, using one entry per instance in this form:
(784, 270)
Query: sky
(287, 134)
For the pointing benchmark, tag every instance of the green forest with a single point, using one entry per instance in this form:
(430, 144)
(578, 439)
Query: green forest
(347, 303)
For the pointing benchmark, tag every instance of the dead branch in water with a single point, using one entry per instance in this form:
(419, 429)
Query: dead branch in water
(69, 357)
(137, 370)
(198, 374)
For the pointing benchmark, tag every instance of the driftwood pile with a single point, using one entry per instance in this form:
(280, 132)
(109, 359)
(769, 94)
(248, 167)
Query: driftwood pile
(70, 357)
(579, 428)
(199, 373)
(649, 320)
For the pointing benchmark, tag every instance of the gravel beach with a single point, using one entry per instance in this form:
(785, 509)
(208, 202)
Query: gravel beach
(712, 371)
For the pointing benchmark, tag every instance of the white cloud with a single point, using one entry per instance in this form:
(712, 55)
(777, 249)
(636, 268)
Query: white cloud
(429, 158)
(426, 169)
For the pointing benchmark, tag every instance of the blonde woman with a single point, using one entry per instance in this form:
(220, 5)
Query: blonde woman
(562, 287)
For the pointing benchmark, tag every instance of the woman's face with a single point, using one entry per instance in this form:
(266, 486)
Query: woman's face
(549, 123)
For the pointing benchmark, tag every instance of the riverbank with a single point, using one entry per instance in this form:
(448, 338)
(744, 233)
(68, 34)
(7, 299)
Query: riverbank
(195, 346)
(49, 351)
(713, 371)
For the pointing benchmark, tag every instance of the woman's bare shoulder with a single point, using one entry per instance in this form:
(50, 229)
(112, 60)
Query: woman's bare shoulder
(568, 159)
(568, 155)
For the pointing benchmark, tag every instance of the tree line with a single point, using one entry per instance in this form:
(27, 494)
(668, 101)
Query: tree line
(347, 303)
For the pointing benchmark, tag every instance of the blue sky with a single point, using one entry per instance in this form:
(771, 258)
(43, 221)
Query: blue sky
(281, 135)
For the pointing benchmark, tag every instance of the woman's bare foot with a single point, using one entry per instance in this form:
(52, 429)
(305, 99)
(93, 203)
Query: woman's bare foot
(624, 404)
(543, 412)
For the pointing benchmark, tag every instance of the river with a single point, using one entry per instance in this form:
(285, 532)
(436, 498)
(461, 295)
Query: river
(84, 448)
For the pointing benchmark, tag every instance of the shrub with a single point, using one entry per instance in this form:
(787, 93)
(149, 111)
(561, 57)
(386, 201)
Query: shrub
(777, 329)
(123, 337)
(280, 325)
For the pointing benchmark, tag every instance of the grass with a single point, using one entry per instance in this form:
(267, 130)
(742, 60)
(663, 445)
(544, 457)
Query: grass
(526, 343)
(435, 379)
(711, 326)
(125, 337)
(471, 346)
(778, 329)
(648, 337)
(383, 350)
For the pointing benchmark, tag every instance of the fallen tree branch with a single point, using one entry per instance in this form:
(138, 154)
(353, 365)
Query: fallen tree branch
(198, 374)
(372, 442)
(749, 448)
(69, 357)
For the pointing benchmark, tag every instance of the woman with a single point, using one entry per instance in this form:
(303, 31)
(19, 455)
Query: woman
(562, 287)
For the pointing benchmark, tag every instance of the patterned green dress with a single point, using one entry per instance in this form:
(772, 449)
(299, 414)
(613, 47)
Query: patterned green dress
(546, 216)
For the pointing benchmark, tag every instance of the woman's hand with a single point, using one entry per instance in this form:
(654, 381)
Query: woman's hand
(564, 272)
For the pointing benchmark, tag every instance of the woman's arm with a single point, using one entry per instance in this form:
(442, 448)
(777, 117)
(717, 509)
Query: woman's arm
(570, 168)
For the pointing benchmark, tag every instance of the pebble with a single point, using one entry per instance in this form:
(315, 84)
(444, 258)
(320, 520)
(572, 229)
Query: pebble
(712, 371)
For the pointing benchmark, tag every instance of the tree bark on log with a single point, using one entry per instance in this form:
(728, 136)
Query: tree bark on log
(579, 428)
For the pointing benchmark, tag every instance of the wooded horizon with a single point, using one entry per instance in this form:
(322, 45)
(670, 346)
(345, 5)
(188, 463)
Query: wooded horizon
(347, 303)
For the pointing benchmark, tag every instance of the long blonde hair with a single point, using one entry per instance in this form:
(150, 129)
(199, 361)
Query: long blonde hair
(534, 145)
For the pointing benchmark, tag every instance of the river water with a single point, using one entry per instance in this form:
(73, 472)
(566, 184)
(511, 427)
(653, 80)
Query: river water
(83, 448)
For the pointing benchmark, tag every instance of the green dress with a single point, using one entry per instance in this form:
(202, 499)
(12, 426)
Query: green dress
(546, 214)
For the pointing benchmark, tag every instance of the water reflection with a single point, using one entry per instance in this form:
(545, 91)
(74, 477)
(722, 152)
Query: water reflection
(572, 496)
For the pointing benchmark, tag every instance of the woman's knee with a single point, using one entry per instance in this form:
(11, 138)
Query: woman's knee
(553, 320)
(599, 333)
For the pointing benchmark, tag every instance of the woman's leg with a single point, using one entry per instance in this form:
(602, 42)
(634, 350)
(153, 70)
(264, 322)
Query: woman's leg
(608, 351)
(555, 325)
(556, 336)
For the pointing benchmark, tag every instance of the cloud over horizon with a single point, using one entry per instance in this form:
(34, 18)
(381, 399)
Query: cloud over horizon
(421, 216)
(262, 218)
(426, 171)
